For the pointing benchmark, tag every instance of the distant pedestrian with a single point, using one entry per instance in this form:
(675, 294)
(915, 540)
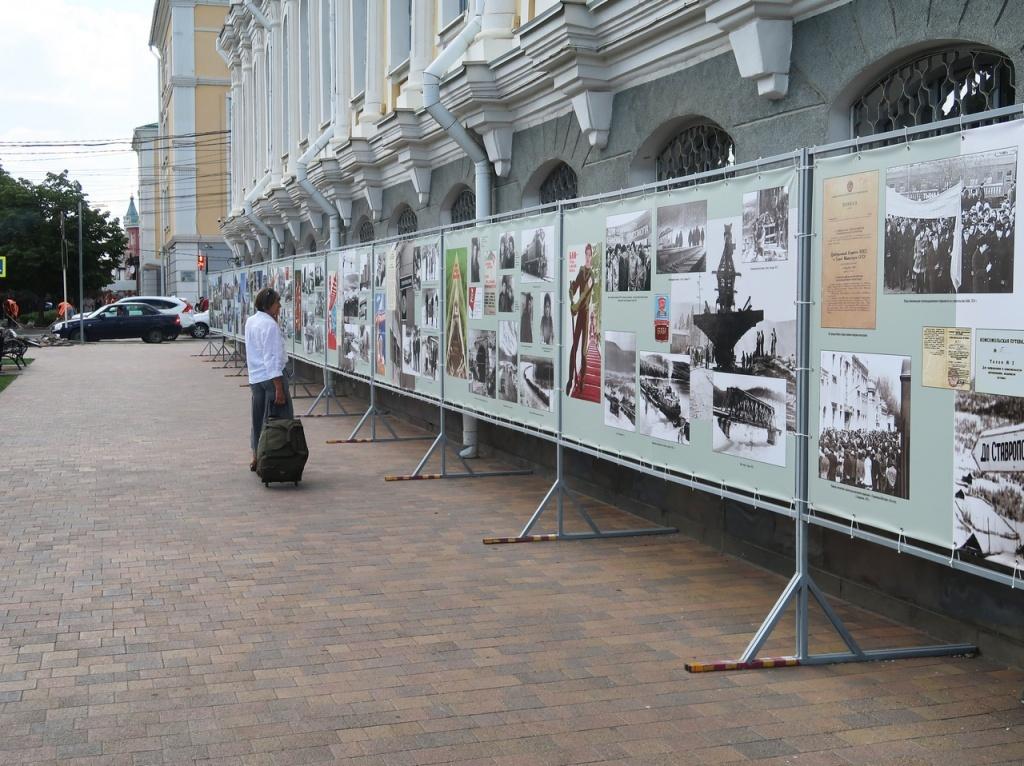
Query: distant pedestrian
(266, 359)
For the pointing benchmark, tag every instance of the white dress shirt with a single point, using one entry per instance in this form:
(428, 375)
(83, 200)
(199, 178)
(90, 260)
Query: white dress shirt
(264, 348)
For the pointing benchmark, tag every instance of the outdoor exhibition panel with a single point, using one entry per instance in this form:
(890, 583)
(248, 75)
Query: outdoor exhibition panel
(679, 349)
(917, 417)
(216, 306)
(282, 280)
(353, 354)
(309, 308)
(500, 331)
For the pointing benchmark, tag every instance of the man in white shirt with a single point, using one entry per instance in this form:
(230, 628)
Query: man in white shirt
(266, 359)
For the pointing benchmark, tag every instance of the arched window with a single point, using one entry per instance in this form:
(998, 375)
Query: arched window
(464, 207)
(366, 232)
(946, 83)
(407, 222)
(697, 149)
(559, 185)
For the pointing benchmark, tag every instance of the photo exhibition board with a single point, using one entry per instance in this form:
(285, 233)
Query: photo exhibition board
(406, 315)
(215, 281)
(309, 306)
(917, 347)
(353, 323)
(281, 275)
(500, 320)
(679, 348)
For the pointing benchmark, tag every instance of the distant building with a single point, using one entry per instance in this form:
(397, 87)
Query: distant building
(149, 276)
(190, 149)
(849, 396)
(130, 261)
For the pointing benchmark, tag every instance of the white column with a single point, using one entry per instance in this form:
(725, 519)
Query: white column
(246, 131)
(259, 129)
(376, 55)
(342, 69)
(495, 36)
(421, 53)
(294, 74)
(236, 137)
(278, 110)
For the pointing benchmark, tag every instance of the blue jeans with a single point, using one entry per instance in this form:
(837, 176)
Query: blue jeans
(263, 406)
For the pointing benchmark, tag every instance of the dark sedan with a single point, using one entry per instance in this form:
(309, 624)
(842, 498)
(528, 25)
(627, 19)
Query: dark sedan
(123, 320)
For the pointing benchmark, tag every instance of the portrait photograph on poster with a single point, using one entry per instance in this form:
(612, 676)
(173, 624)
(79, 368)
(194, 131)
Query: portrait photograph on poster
(380, 344)
(349, 285)
(398, 288)
(526, 317)
(318, 275)
(547, 319)
(507, 251)
(988, 473)
(318, 338)
(482, 361)
(410, 350)
(583, 299)
(380, 270)
(319, 304)
(429, 262)
(628, 248)
(535, 259)
(431, 351)
(863, 436)
(664, 406)
(456, 313)
(749, 417)
(740, 322)
(364, 343)
(363, 264)
(307, 332)
(508, 362)
(507, 296)
(536, 382)
(682, 230)
(620, 380)
(475, 262)
(349, 347)
(766, 225)
(430, 306)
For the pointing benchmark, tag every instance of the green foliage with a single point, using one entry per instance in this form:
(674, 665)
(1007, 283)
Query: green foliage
(30, 237)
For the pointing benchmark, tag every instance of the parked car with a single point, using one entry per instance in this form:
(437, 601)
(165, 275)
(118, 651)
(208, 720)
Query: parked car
(202, 326)
(122, 320)
(166, 305)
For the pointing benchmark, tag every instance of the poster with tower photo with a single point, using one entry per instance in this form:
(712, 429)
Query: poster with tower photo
(740, 321)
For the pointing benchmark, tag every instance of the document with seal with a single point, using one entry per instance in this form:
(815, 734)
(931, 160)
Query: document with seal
(849, 251)
(946, 357)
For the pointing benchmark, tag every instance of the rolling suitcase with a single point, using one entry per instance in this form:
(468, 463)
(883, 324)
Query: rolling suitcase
(282, 453)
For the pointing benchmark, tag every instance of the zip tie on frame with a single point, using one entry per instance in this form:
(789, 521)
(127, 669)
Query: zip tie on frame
(801, 234)
(1013, 579)
(906, 135)
(853, 525)
(954, 555)
(799, 302)
(901, 540)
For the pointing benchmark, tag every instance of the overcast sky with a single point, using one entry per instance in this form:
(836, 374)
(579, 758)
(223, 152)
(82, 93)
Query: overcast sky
(74, 70)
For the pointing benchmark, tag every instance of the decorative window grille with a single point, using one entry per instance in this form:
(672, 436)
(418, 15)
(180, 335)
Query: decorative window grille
(696, 149)
(559, 185)
(366, 232)
(407, 222)
(464, 207)
(946, 83)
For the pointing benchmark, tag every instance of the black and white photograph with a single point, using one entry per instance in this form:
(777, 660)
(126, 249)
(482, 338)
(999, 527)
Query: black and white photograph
(380, 270)
(319, 304)
(318, 338)
(664, 405)
(307, 331)
(508, 362)
(526, 317)
(536, 382)
(863, 434)
(349, 347)
(536, 254)
(682, 230)
(407, 305)
(364, 343)
(349, 285)
(429, 268)
(988, 222)
(363, 264)
(476, 265)
(619, 394)
(417, 269)
(507, 295)
(430, 307)
(507, 251)
(738, 321)
(766, 225)
(749, 419)
(410, 350)
(318, 275)
(547, 319)
(431, 354)
(628, 253)
(482, 362)
(988, 474)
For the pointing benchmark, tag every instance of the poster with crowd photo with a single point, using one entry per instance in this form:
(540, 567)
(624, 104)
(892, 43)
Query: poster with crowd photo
(676, 352)
(409, 301)
(308, 319)
(916, 417)
(504, 366)
(355, 275)
(215, 282)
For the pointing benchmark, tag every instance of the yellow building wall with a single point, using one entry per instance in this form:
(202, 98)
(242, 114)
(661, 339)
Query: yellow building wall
(211, 158)
(209, 64)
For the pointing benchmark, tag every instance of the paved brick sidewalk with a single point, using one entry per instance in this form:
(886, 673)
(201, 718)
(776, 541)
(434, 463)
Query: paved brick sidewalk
(159, 606)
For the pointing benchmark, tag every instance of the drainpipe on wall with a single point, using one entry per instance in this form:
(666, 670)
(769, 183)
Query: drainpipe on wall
(481, 165)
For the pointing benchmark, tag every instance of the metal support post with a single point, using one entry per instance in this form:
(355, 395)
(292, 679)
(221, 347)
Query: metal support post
(801, 587)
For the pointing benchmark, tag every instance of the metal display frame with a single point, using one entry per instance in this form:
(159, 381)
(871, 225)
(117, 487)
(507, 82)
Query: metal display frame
(801, 588)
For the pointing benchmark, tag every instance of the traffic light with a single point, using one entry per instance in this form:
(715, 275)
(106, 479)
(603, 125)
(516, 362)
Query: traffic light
(201, 263)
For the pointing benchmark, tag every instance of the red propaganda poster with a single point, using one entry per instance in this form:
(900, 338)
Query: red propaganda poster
(332, 317)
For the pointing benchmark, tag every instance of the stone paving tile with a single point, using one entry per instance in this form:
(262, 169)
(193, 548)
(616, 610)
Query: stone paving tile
(159, 606)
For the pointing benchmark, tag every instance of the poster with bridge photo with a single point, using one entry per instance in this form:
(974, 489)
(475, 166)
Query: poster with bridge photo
(682, 231)
(749, 417)
(627, 266)
(736, 318)
(988, 478)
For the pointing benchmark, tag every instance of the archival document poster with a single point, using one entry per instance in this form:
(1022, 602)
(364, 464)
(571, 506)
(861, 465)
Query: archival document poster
(946, 357)
(849, 253)
(1000, 365)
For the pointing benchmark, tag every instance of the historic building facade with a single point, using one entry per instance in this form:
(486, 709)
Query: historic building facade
(190, 149)
(567, 98)
(150, 277)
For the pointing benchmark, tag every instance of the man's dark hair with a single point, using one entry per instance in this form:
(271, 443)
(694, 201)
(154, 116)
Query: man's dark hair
(265, 298)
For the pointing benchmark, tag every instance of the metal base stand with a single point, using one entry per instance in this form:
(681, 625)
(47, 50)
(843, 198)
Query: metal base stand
(327, 395)
(371, 416)
(211, 348)
(442, 444)
(232, 360)
(559, 492)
